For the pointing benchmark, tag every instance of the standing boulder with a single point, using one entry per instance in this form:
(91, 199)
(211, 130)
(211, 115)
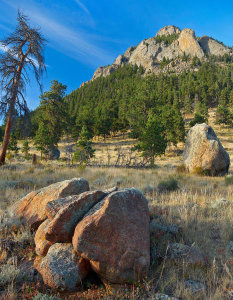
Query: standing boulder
(203, 151)
(62, 269)
(115, 237)
(32, 207)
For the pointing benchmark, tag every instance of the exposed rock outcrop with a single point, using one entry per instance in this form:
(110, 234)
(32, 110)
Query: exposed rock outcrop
(213, 47)
(188, 44)
(167, 30)
(204, 151)
(114, 237)
(32, 207)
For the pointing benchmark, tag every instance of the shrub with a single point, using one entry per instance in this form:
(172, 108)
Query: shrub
(148, 189)
(168, 185)
(200, 171)
(10, 274)
(229, 180)
(198, 119)
(180, 169)
(167, 39)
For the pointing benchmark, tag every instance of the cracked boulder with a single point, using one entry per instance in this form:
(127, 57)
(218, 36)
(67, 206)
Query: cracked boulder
(62, 226)
(114, 237)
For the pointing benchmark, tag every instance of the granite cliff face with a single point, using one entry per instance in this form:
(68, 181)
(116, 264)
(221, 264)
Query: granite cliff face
(170, 43)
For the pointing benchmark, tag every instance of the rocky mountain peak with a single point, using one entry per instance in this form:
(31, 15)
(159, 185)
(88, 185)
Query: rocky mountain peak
(167, 30)
(164, 52)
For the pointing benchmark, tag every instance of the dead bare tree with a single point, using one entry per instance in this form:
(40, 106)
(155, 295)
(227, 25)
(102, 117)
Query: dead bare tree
(23, 52)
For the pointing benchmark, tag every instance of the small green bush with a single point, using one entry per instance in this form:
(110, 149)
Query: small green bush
(168, 185)
(167, 39)
(10, 274)
(198, 119)
(200, 171)
(180, 169)
(148, 189)
(229, 180)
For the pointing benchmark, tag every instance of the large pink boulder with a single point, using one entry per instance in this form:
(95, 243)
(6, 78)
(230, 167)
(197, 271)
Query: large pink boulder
(115, 237)
(32, 208)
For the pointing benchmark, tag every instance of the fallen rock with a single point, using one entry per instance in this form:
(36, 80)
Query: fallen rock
(204, 151)
(62, 269)
(42, 245)
(32, 207)
(62, 227)
(115, 237)
(185, 254)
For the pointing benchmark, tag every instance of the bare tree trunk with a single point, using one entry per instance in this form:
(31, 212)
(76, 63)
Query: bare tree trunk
(6, 137)
(11, 109)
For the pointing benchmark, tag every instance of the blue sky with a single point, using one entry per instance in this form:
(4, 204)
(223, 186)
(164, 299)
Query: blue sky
(85, 34)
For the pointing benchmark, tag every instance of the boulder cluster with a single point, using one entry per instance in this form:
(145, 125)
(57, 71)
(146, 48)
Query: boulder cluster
(78, 230)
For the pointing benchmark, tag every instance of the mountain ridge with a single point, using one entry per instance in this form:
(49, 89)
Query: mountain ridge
(169, 50)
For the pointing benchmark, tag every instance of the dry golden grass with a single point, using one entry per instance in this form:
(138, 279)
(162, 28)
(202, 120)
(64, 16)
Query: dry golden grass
(190, 207)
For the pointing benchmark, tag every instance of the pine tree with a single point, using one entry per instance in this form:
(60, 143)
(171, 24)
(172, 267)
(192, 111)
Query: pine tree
(52, 111)
(152, 143)
(84, 151)
(43, 140)
(223, 115)
(13, 144)
(26, 148)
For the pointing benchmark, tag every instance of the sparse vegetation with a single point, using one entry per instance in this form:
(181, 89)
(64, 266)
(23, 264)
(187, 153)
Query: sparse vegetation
(168, 185)
(167, 39)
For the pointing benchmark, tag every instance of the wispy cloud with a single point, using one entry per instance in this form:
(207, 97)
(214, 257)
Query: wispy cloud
(71, 42)
(83, 7)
